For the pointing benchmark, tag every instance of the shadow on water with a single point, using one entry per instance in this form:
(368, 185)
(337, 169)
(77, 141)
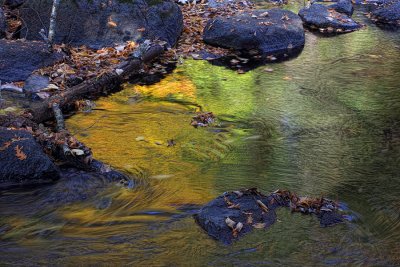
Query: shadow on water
(326, 122)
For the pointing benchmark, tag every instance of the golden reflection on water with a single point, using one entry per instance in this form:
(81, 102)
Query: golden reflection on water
(171, 175)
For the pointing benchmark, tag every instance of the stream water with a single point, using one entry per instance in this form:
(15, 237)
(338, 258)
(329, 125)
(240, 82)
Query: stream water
(324, 123)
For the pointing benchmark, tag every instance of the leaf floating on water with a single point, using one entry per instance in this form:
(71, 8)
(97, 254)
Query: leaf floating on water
(259, 225)
(287, 78)
(171, 142)
(140, 138)
(268, 70)
(161, 176)
(19, 153)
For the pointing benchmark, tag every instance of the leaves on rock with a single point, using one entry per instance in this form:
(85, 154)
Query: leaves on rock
(19, 153)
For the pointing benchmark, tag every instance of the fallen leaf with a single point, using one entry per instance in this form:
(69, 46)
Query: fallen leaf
(249, 219)
(259, 225)
(5, 145)
(268, 70)
(262, 206)
(19, 153)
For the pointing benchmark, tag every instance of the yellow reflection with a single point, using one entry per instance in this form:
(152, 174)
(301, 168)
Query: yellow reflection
(136, 137)
(175, 85)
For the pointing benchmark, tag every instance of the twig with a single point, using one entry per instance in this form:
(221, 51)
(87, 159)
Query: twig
(59, 117)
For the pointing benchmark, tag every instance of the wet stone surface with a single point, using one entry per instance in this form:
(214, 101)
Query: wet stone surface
(327, 20)
(272, 31)
(22, 160)
(233, 214)
(18, 59)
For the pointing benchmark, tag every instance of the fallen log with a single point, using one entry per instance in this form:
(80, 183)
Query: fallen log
(105, 84)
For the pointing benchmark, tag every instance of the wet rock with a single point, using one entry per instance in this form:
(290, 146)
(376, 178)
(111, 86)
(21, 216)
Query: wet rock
(3, 24)
(18, 59)
(388, 13)
(234, 214)
(35, 83)
(99, 23)
(327, 20)
(273, 31)
(75, 186)
(22, 160)
(13, 3)
(343, 6)
(80, 185)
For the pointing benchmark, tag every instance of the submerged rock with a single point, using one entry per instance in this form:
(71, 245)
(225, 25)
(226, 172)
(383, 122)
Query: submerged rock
(273, 31)
(23, 161)
(388, 13)
(3, 24)
(234, 214)
(18, 59)
(327, 20)
(99, 23)
(343, 6)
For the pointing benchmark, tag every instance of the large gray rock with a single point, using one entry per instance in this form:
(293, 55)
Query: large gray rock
(99, 23)
(388, 13)
(36, 168)
(343, 6)
(18, 59)
(272, 31)
(325, 19)
(3, 24)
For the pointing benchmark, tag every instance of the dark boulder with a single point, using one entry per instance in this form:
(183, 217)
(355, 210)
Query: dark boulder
(3, 24)
(13, 3)
(23, 161)
(18, 59)
(388, 13)
(234, 214)
(99, 23)
(273, 31)
(327, 20)
(343, 6)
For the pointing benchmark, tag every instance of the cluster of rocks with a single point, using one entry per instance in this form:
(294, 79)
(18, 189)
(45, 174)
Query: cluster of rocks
(94, 23)
(277, 31)
(23, 162)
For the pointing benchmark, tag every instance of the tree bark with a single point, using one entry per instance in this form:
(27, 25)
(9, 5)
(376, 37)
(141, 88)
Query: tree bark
(95, 87)
(53, 23)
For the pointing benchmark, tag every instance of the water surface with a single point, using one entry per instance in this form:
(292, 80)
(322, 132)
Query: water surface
(325, 123)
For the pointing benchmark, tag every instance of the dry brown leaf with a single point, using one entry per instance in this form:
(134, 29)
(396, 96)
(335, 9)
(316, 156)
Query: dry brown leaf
(259, 225)
(5, 145)
(249, 219)
(19, 153)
